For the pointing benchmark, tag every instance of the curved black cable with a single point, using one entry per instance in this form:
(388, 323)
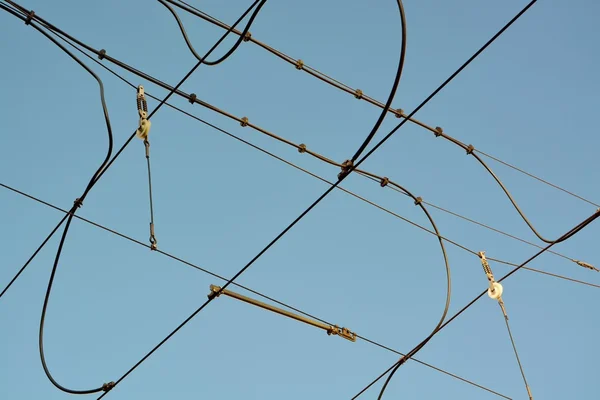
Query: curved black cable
(388, 103)
(191, 47)
(73, 209)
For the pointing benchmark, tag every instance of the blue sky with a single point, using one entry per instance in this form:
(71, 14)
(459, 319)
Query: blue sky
(531, 99)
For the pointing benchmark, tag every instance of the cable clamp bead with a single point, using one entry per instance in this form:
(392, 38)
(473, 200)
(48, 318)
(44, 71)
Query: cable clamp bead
(102, 54)
(192, 98)
(247, 36)
(358, 94)
(108, 386)
(30, 17)
(302, 148)
(346, 167)
(244, 121)
(438, 131)
(299, 64)
(399, 113)
(384, 181)
(418, 201)
(470, 149)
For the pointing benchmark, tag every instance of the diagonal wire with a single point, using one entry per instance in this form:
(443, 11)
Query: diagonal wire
(180, 260)
(512, 341)
(345, 88)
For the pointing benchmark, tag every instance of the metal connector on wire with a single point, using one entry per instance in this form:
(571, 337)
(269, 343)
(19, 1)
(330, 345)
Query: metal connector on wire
(345, 333)
(586, 265)
(495, 290)
(144, 126)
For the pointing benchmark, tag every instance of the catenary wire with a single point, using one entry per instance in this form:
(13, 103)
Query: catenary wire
(566, 236)
(514, 346)
(301, 148)
(180, 260)
(29, 17)
(399, 113)
(341, 178)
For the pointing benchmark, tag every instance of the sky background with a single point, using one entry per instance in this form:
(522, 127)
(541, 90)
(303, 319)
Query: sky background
(531, 99)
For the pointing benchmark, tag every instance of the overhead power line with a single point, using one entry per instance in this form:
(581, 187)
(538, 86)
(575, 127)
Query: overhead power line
(303, 66)
(215, 275)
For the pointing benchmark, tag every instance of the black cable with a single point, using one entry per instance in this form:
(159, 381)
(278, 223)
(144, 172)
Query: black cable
(29, 17)
(566, 236)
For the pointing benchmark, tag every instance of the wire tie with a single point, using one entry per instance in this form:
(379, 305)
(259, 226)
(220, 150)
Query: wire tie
(302, 148)
(108, 386)
(438, 131)
(346, 167)
(399, 113)
(30, 16)
(192, 98)
(470, 149)
(299, 64)
(384, 181)
(102, 54)
(418, 201)
(247, 36)
(358, 94)
(244, 121)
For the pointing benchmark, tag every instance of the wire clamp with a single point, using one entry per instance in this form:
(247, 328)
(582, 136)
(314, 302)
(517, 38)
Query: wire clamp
(302, 148)
(247, 36)
(192, 98)
(30, 17)
(384, 181)
(299, 64)
(144, 126)
(108, 386)
(153, 241)
(586, 265)
(342, 332)
(244, 122)
(399, 113)
(418, 201)
(214, 292)
(78, 203)
(102, 54)
(346, 167)
(495, 290)
(147, 146)
(470, 149)
(358, 94)
(438, 131)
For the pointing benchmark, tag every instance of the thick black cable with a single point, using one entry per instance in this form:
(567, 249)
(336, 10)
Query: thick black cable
(394, 85)
(77, 204)
(29, 16)
(566, 236)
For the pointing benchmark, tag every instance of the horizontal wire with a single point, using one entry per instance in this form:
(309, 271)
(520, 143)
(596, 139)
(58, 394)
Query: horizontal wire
(178, 259)
(345, 88)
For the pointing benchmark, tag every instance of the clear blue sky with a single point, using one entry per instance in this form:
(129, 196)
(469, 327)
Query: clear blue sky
(531, 100)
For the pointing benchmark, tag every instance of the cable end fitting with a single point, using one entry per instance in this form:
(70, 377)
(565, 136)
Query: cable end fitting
(214, 292)
(108, 386)
(192, 98)
(438, 131)
(102, 54)
(384, 181)
(346, 168)
(586, 265)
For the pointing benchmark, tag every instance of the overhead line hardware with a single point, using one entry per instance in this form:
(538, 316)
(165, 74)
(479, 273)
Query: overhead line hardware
(345, 333)
(495, 290)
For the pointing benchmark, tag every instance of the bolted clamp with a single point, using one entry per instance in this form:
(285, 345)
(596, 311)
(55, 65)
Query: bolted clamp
(144, 126)
(301, 148)
(342, 332)
(358, 94)
(399, 113)
(299, 64)
(438, 131)
(247, 36)
(346, 167)
(108, 386)
(470, 149)
(384, 181)
(244, 122)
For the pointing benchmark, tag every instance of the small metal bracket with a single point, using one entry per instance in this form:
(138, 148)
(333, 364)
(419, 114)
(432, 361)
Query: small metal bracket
(495, 290)
(108, 386)
(342, 332)
(438, 131)
(346, 167)
(358, 94)
(399, 113)
(144, 126)
(384, 181)
(299, 64)
(214, 291)
(247, 36)
(302, 148)
(470, 149)
(192, 98)
(418, 201)
(244, 122)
